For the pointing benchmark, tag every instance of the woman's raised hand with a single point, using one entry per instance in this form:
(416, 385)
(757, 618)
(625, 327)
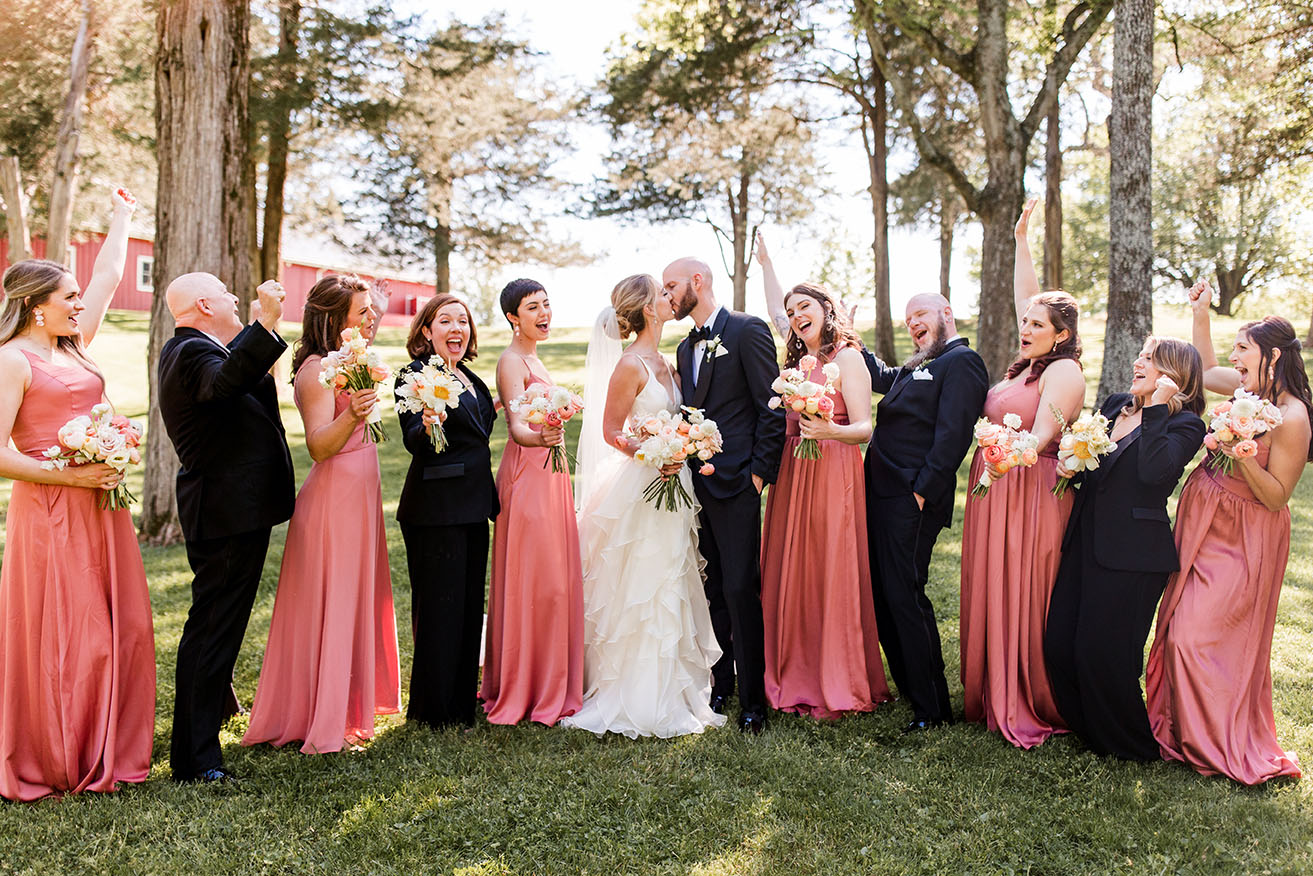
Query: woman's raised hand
(1201, 296)
(1023, 224)
(763, 257)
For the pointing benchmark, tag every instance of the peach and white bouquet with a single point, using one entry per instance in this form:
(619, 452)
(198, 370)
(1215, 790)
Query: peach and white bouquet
(1234, 425)
(796, 391)
(542, 405)
(664, 438)
(101, 436)
(1082, 444)
(1005, 447)
(357, 365)
(434, 387)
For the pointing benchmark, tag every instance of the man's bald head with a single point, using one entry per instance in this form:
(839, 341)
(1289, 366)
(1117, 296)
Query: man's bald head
(688, 280)
(199, 300)
(930, 322)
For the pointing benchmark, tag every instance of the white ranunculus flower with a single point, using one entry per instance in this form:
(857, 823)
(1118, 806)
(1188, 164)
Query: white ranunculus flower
(1012, 420)
(807, 388)
(831, 370)
(120, 458)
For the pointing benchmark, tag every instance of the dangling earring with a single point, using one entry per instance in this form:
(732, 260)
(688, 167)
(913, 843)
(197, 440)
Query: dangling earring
(38, 317)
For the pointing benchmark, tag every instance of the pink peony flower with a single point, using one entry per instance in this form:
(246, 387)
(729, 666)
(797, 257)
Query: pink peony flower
(994, 454)
(707, 469)
(1245, 449)
(825, 406)
(1210, 441)
(807, 363)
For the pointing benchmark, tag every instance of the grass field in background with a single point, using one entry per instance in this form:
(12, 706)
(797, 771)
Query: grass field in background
(853, 796)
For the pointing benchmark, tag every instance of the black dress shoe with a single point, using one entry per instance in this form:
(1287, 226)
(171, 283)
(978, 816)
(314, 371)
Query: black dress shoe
(718, 703)
(752, 722)
(920, 725)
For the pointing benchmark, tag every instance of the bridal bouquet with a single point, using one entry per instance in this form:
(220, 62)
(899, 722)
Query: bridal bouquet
(549, 406)
(1234, 424)
(808, 398)
(104, 437)
(1082, 444)
(435, 387)
(1005, 447)
(665, 438)
(357, 365)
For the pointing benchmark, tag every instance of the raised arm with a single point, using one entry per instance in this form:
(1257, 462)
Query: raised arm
(774, 291)
(1217, 377)
(108, 270)
(1025, 284)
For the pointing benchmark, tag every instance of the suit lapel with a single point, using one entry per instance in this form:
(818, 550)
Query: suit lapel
(905, 374)
(471, 406)
(709, 361)
(197, 333)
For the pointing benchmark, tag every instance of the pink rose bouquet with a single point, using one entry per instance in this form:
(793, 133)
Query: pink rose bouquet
(554, 406)
(664, 438)
(795, 391)
(1005, 447)
(101, 436)
(1233, 426)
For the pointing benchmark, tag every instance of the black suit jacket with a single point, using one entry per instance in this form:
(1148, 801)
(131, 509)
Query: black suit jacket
(220, 408)
(734, 389)
(1122, 504)
(923, 427)
(456, 486)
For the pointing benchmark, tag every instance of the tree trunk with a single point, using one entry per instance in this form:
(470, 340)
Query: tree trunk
(66, 144)
(11, 189)
(289, 16)
(202, 216)
(996, 334)
(948, 215)
(1308, 339)
(1130, 268)
(879, 170)
(1053, 202)
(440, 205)
(738, 206)
(1230, 286)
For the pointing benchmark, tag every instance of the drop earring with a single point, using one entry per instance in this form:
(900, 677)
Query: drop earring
(38, 317)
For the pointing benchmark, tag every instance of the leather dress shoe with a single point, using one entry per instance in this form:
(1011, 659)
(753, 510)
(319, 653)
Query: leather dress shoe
(213, 776)
(752, 722)
(920, 725)
(718, 703)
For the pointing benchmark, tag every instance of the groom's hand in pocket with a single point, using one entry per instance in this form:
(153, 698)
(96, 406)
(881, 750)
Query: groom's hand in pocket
(758, 483)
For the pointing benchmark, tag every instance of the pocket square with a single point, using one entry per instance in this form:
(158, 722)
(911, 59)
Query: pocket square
(922, 374)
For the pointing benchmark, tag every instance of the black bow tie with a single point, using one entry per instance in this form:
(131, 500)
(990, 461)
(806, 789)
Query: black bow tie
(700, 334)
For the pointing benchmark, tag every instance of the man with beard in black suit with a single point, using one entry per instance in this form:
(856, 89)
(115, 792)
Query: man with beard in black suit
(923, 430)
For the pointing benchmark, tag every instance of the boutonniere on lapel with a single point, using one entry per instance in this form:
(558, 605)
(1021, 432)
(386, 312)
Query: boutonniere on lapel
(714, 349)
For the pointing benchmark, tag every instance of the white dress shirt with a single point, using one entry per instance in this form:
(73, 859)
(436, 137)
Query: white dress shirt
(700, 348)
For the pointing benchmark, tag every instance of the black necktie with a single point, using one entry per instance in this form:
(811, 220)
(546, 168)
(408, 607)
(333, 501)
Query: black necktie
(699, 334)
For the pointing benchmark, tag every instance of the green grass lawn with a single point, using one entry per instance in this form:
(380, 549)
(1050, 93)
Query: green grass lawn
(852, 796)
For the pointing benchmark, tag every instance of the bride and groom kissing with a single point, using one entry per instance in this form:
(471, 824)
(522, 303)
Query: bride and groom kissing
(672, 599)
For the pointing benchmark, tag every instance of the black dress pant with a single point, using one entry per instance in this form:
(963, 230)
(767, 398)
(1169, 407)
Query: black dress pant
(729, 539)
(448, 568)
(902, 537)
(1094, 639)
(227, 576)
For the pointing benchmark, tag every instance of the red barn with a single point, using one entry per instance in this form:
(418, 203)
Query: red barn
(136, 288)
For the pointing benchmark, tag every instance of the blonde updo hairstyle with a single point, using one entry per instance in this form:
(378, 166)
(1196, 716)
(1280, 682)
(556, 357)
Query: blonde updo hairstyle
(630, 298)
(27, 285)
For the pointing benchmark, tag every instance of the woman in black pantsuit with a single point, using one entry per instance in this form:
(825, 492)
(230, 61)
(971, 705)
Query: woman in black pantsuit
(445, 506)
(1118, 553)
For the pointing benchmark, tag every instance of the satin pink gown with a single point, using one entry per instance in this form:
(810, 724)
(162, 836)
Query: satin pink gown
(77, 645)
(331, 662)
(1209, 679)
(822, 647)
(534, 651)
(1011, 545)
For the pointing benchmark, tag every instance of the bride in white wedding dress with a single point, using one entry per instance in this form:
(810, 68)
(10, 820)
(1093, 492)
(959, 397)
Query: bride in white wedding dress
(648, 642)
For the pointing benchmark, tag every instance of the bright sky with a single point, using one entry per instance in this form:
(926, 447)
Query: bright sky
(574, 36)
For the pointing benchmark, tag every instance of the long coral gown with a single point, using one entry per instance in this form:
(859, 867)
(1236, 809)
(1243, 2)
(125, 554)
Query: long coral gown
(822, 647)
(1011, 546)
(1209, 679)
(534, 652)
(77, 645)
(331, 662)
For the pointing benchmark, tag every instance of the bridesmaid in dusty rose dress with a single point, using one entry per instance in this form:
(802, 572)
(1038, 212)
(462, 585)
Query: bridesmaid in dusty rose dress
(77, 652)
(1012, 536)
(822, 648)
(533, 659)
(1209, 678)
(331, 662)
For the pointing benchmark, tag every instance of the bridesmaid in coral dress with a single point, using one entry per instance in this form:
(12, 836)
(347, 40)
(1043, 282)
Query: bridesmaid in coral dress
(822, 648)
(1209, 678)
(1012, 536)
(77, 651)
(533, 658)
(331, 663)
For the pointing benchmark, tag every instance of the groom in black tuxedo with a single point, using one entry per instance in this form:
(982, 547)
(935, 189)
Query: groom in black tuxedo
(923, 430)
(220, 408)
(726, 366)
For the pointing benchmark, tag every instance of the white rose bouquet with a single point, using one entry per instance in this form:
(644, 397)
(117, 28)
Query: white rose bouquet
(101, 436)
